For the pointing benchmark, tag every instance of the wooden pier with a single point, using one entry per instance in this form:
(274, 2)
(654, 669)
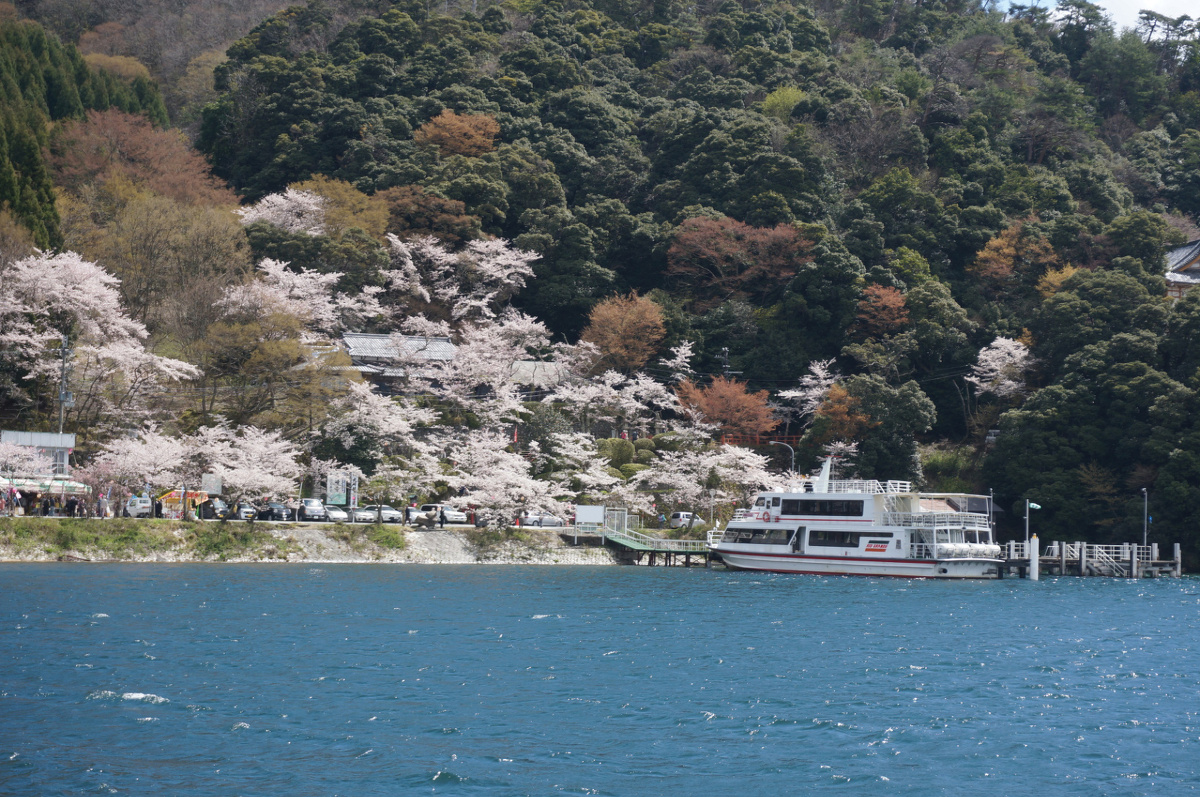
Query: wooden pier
(1127, 560)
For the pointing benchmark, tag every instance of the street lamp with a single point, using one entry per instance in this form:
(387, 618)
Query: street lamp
(1145, 515)
(1028, 506)
(789, 448)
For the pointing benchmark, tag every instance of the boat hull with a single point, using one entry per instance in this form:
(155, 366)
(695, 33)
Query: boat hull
(859, 566)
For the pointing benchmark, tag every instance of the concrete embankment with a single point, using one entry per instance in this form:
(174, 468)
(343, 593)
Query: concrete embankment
(129, 540)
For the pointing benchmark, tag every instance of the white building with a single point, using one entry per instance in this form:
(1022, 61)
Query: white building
(56, 447)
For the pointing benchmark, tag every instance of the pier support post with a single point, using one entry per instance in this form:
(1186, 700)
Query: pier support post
(1081, 547)
(1178, 560)
(1154, 552)
(1133, 562)
(1062, 558)
(1035, 557)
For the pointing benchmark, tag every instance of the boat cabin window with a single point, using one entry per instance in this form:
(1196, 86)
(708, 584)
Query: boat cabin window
(775, 501)
(826, 508)
(844, 539)
(775, 535)
(761, 501)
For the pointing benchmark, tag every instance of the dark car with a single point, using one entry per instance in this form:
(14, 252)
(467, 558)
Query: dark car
(273, 510)
(214, 509)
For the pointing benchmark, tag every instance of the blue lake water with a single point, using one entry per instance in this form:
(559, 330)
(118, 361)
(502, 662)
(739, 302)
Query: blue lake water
(510, 680)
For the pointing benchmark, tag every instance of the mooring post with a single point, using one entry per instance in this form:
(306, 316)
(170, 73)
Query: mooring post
(1154, 552)
(1133, 562)
(1178, 560)
(1035, 557)
(1081, 547)
(1062, 558)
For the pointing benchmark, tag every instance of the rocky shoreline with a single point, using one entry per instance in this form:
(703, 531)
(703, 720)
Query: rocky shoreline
(104, 541)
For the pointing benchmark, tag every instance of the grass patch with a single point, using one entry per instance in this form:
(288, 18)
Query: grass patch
(488, 538)
(118, 538)
(387, 537)
(224, 540)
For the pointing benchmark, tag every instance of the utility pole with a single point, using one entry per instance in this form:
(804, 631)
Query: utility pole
(65, 399)
(725, 372)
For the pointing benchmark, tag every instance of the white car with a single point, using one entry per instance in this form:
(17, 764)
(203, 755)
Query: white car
(541, 521)
(369, 514)
(137, 506)
(336, 513)
(681, 519)
(452, 515)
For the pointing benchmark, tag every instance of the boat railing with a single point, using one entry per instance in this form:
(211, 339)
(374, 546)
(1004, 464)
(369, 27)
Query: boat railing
(920, 550)
(869, 486)
(715, 536)
(937, 520)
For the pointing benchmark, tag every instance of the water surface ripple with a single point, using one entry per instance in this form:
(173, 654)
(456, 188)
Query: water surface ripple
(508, 680)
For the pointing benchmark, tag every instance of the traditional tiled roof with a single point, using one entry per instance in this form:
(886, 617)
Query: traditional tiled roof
(383, 348)
(1183, 258)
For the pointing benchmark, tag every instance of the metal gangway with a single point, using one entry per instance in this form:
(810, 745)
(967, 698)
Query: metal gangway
(636, 546)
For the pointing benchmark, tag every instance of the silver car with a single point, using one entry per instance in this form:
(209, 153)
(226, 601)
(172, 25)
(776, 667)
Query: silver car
(542, 521)
(369, 514)
(336, 513)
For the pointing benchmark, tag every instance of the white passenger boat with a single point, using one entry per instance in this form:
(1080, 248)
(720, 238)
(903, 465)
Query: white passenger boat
(865, 528)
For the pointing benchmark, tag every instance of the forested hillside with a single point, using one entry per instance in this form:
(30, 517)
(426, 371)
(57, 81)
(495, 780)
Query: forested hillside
(942, 218)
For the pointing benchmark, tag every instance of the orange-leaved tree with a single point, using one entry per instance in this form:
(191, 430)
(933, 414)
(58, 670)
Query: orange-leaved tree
(722, 259)
(727, 403)
(1016, 255)
(626, 330)
(471, 135)
(839, 418)
(110, 143)
(881, 311)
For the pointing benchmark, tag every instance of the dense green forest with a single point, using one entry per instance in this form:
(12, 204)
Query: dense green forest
(891, 186)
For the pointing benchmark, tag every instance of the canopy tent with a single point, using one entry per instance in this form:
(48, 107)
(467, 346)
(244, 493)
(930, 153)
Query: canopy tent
(45, 484)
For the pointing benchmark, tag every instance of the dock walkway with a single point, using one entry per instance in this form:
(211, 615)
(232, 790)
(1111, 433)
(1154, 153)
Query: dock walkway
(634, 546)
(1127, 560)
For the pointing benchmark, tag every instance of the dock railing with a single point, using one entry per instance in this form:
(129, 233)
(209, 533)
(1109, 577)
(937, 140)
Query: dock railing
(659, 543)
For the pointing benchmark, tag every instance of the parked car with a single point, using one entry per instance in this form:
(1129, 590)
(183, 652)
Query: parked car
(452, 515)
(336, 513)
(360, 514)
(681, 519)
(214, 509)
(244, 510)
(374, 512)
(541, 521)
(312, 509)
(137, 506)
(273, 510)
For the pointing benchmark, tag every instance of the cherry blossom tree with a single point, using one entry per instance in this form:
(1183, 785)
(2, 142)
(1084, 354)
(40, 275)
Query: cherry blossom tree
(18, 460)
(45, 297)
(684, 478)
(494, 479)
(582, 469)
(679, 364)
(470, 284)
(814, 388)
(149, 459)
(1000, 368)
(293, 211)
(309, 295)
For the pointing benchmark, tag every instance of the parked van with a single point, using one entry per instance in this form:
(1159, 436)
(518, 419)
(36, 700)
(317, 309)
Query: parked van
(137, 506)
(681, 519)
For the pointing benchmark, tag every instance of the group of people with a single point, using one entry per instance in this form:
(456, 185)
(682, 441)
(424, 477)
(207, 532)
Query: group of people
(50, 506)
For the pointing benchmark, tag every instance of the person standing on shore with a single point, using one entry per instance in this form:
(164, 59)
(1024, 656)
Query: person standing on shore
(442, 518)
